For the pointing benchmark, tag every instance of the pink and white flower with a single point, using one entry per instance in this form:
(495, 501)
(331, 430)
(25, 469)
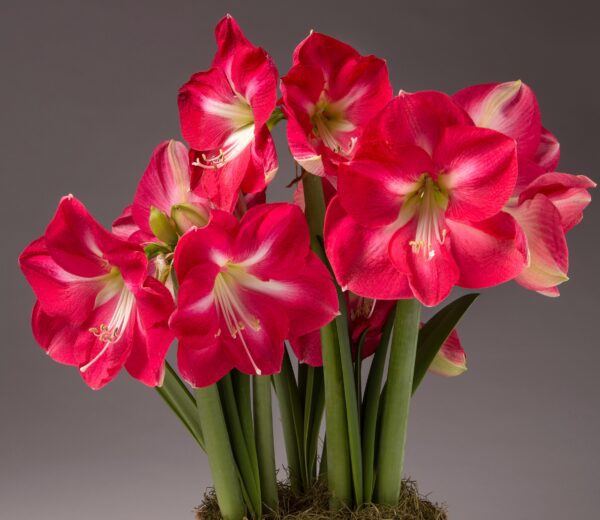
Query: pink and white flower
(224, 113)
(97, 309)
(244, 288)
(329, 94)
(545, 203)
(418, 208)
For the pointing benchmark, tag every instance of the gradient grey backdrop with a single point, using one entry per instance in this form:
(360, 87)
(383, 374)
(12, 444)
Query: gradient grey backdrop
(89, 88)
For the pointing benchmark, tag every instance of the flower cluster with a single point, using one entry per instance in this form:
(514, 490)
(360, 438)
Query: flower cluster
(424, 192)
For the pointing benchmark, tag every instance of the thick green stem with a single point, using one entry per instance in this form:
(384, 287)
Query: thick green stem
(220, 455)
(263, 431)
(394, 421)
(338, 452)
(182, 402)
(248, 471)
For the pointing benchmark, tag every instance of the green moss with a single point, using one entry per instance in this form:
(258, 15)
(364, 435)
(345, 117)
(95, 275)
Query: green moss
(313, 505)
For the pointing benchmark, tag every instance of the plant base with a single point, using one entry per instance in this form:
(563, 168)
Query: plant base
(313, 505)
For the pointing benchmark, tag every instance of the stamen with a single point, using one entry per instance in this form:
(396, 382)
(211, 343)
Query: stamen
(111, 333)
(234, 312)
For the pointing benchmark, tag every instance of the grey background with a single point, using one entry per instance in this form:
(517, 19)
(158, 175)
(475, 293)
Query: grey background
(89, 88)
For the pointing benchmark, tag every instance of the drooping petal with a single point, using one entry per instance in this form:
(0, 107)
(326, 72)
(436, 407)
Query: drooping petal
(488, 252)
(548, 252)
(548, 152)
(307, 348)
(451, 360)
(262, 163)
(372, 190)
(359, 256)
(302, 150)
(568, 193)
(272, 241)
(510, 108)
(479, 171)
(431, 274)
(55, 334)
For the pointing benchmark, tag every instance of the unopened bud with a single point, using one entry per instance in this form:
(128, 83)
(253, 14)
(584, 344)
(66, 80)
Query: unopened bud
(162, 227)
(186, 216)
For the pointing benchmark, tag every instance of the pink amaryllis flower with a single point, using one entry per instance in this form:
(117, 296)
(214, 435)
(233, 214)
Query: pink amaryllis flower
(545, 203)
(329, 94)
(244, 288)
(97, 309)
(224, 113)
(165, 187)
(418, 209)
(364, 314)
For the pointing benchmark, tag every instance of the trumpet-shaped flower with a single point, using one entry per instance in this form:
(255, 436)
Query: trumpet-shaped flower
(224, 113)
(545, 203)
(97, 309)
(418, 209)
(329, 94)
(244, 288)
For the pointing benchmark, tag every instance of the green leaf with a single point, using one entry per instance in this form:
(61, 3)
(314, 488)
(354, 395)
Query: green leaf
(433, 334)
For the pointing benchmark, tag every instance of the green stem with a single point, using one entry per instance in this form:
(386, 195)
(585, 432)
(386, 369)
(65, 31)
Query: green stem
(238, 443)
(263, 430)
(220, 455)
(338, 451)
(314, 406)
(243, 395)
(371, 408)
(394, 422)
(182, 402)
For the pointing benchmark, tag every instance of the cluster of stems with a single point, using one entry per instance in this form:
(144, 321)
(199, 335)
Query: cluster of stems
(361, 453)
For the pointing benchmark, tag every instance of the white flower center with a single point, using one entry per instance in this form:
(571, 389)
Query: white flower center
(328, 120)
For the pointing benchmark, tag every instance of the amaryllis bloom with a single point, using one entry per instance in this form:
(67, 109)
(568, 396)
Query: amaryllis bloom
(244, 288)
(364, 314)
(545, 203)
(329, 94)
(165, 187)
(418, 209)
(224, 113)
(451, 359)
(97, 309)
(546, 209)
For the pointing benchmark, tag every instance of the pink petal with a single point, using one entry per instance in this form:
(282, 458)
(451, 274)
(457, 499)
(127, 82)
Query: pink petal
(202, 361)
(324, 52)
(273, 241)
(230, 41)
(152, 335)
(372, 190)
(568, 193)
(451, 359)
(479, 171)
(548, 252)
(413, 119)
(510, 108)
(165, 183)
(262, 164)
(489, 252)
(208, 108)
(548, 152)
(307, 348)
(359, 256)
(56, 335)
(303, 152)
(59, 292)
(432, 275)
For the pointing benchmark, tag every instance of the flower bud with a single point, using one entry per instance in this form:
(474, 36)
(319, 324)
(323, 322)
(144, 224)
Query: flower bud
(186, 216)
(451, 359)
(162, 227)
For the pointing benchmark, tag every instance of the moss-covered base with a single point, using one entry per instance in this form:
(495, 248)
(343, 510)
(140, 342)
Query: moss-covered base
(314, 506)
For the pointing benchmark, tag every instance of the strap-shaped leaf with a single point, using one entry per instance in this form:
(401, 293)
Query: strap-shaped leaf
(433, 334)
